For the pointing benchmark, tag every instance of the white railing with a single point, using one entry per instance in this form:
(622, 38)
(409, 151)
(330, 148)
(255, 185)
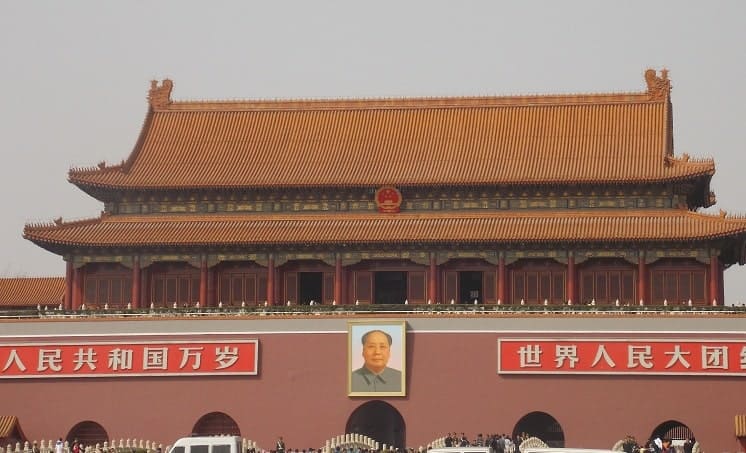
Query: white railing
(113, 446)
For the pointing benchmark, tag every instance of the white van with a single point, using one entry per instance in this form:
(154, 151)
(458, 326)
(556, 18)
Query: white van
(208, 444)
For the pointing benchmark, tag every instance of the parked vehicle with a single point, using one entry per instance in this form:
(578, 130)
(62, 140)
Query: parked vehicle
(565, 450)
(207, 444)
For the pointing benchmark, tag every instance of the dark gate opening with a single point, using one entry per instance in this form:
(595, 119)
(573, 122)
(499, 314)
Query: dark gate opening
(88, 433)
(216, 424)
(390, 287)
(543, 426)
(674, 430)
(380, 421)
(470, 287)
(310, 287)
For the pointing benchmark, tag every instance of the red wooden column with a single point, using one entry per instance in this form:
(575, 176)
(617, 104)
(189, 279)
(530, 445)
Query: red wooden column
(77, 288)
(146, 296)
(642, 278)
(203, 282)
(715, 280)
(136, 282)
(571, 292)
(211, 287)
(432, 280)
(69, 273)
(271, 280)
(501, 274)
(338, 280)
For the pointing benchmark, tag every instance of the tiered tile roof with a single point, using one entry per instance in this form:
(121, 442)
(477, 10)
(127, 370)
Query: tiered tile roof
(529, 226)
(559, 139)
(31, 291)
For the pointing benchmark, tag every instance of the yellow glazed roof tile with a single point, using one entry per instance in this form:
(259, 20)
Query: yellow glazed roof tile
(605, 138)
(626, 225)
(31, 291)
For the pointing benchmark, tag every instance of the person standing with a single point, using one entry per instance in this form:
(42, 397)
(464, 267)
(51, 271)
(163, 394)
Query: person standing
(667, 446)
(689, 444)
(280, 445)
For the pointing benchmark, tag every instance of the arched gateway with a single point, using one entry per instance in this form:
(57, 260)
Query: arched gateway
(672, 429)
(89, 433)
(380, 421)
(543, 426)
(216, 424)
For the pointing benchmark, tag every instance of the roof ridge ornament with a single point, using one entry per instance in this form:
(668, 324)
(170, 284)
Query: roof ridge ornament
(160, 96)
(658, 87)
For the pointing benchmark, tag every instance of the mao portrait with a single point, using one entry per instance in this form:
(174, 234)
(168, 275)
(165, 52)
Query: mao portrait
(376, 358)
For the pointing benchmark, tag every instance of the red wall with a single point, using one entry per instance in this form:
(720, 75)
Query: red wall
(300, 393)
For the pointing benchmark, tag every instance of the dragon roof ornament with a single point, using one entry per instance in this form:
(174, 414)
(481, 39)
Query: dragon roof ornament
(658, 87)
(160, 96)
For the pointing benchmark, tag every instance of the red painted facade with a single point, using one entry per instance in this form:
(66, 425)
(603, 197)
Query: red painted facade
(452, 384)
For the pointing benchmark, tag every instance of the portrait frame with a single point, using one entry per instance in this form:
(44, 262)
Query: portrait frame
(360, 382)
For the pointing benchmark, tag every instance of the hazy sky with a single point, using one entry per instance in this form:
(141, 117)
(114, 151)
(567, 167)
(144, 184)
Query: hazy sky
(75, 74)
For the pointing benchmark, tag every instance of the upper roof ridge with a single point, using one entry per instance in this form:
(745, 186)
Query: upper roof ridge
(658, 89)
(390, 103)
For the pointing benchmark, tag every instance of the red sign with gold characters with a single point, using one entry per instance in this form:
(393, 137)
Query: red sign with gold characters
(653, 357)
(388, 199)
(128, 358)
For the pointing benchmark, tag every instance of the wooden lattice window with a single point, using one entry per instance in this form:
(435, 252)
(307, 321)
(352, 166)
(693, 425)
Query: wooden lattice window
(180, 288)
(679, 286)
(535, 286)
(107, 284)
(363, 286)
(236, 288)
(416, 287)
(607, 286)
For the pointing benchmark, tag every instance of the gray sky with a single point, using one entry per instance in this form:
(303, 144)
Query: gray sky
(75, 75)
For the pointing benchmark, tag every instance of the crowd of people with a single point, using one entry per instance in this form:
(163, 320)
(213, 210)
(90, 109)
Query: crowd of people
(499, 443)
(656, 445)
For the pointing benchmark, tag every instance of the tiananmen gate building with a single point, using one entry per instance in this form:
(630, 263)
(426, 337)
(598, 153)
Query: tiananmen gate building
(539, 264)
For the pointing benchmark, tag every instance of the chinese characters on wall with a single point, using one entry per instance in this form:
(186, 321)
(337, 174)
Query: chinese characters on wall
(568, 356)
(98, 359)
